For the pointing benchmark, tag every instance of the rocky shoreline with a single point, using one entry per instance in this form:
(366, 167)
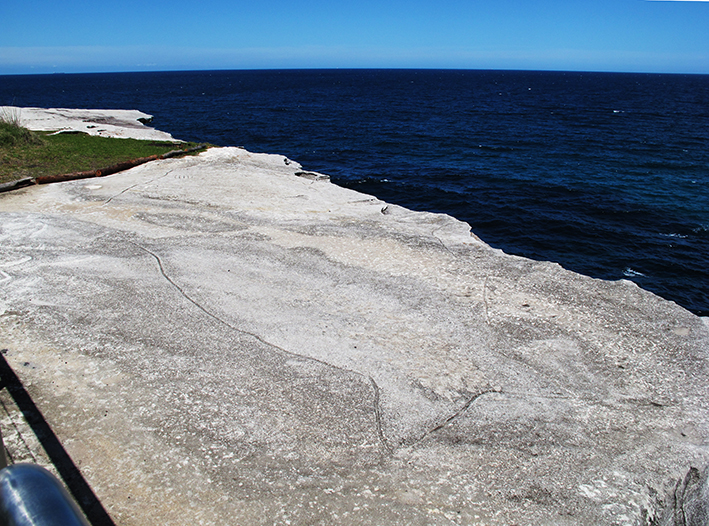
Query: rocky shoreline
(221, 339)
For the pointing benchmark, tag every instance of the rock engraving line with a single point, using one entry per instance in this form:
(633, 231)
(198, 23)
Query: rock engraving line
(372, 382)
(433, 234)
(455, 415)
(4, 276)
(487, 313)
(136, 184)
(378, 416)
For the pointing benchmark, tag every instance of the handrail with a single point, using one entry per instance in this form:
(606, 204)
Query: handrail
(31, 496)
(57, 455)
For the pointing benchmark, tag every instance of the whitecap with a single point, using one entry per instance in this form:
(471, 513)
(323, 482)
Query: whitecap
(630, 273)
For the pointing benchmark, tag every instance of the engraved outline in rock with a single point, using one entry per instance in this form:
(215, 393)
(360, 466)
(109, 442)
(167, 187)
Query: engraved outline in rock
(136, 184)
(375, 388)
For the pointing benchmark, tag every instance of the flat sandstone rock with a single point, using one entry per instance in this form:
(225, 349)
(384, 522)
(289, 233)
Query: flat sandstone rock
(216, 340)
(105, 123)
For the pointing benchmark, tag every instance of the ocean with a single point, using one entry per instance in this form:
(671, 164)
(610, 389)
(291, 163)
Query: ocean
(604, 173)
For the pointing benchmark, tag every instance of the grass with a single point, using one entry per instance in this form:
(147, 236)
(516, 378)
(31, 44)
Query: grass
(24, 153)
(12, 133)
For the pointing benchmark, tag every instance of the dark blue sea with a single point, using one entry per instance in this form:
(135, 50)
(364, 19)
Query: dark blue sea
(604, 173)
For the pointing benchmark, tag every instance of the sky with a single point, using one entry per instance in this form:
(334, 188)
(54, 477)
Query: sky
(46, 36)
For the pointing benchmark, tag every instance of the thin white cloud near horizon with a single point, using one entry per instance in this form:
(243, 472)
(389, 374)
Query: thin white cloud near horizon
(603, 35)
(96, 59)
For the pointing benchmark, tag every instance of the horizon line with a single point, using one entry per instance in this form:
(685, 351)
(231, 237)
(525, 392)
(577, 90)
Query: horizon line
(349, 68)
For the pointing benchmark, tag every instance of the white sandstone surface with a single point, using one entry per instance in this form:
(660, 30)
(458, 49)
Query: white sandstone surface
(216, 340)
(105, 123)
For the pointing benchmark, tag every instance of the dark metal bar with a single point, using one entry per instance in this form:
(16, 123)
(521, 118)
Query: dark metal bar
(31, 496)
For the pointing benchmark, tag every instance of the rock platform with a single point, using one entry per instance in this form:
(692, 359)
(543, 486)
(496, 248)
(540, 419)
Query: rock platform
(217, 340)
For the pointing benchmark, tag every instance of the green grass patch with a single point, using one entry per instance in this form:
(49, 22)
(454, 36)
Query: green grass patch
(12, 134)
(32, 154)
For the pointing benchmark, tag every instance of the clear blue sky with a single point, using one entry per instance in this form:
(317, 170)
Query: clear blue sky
(44, 36)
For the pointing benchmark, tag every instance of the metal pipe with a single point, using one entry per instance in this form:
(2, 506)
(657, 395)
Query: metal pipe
(31, 496)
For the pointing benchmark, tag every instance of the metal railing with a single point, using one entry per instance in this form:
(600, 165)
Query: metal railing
(31, 496)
